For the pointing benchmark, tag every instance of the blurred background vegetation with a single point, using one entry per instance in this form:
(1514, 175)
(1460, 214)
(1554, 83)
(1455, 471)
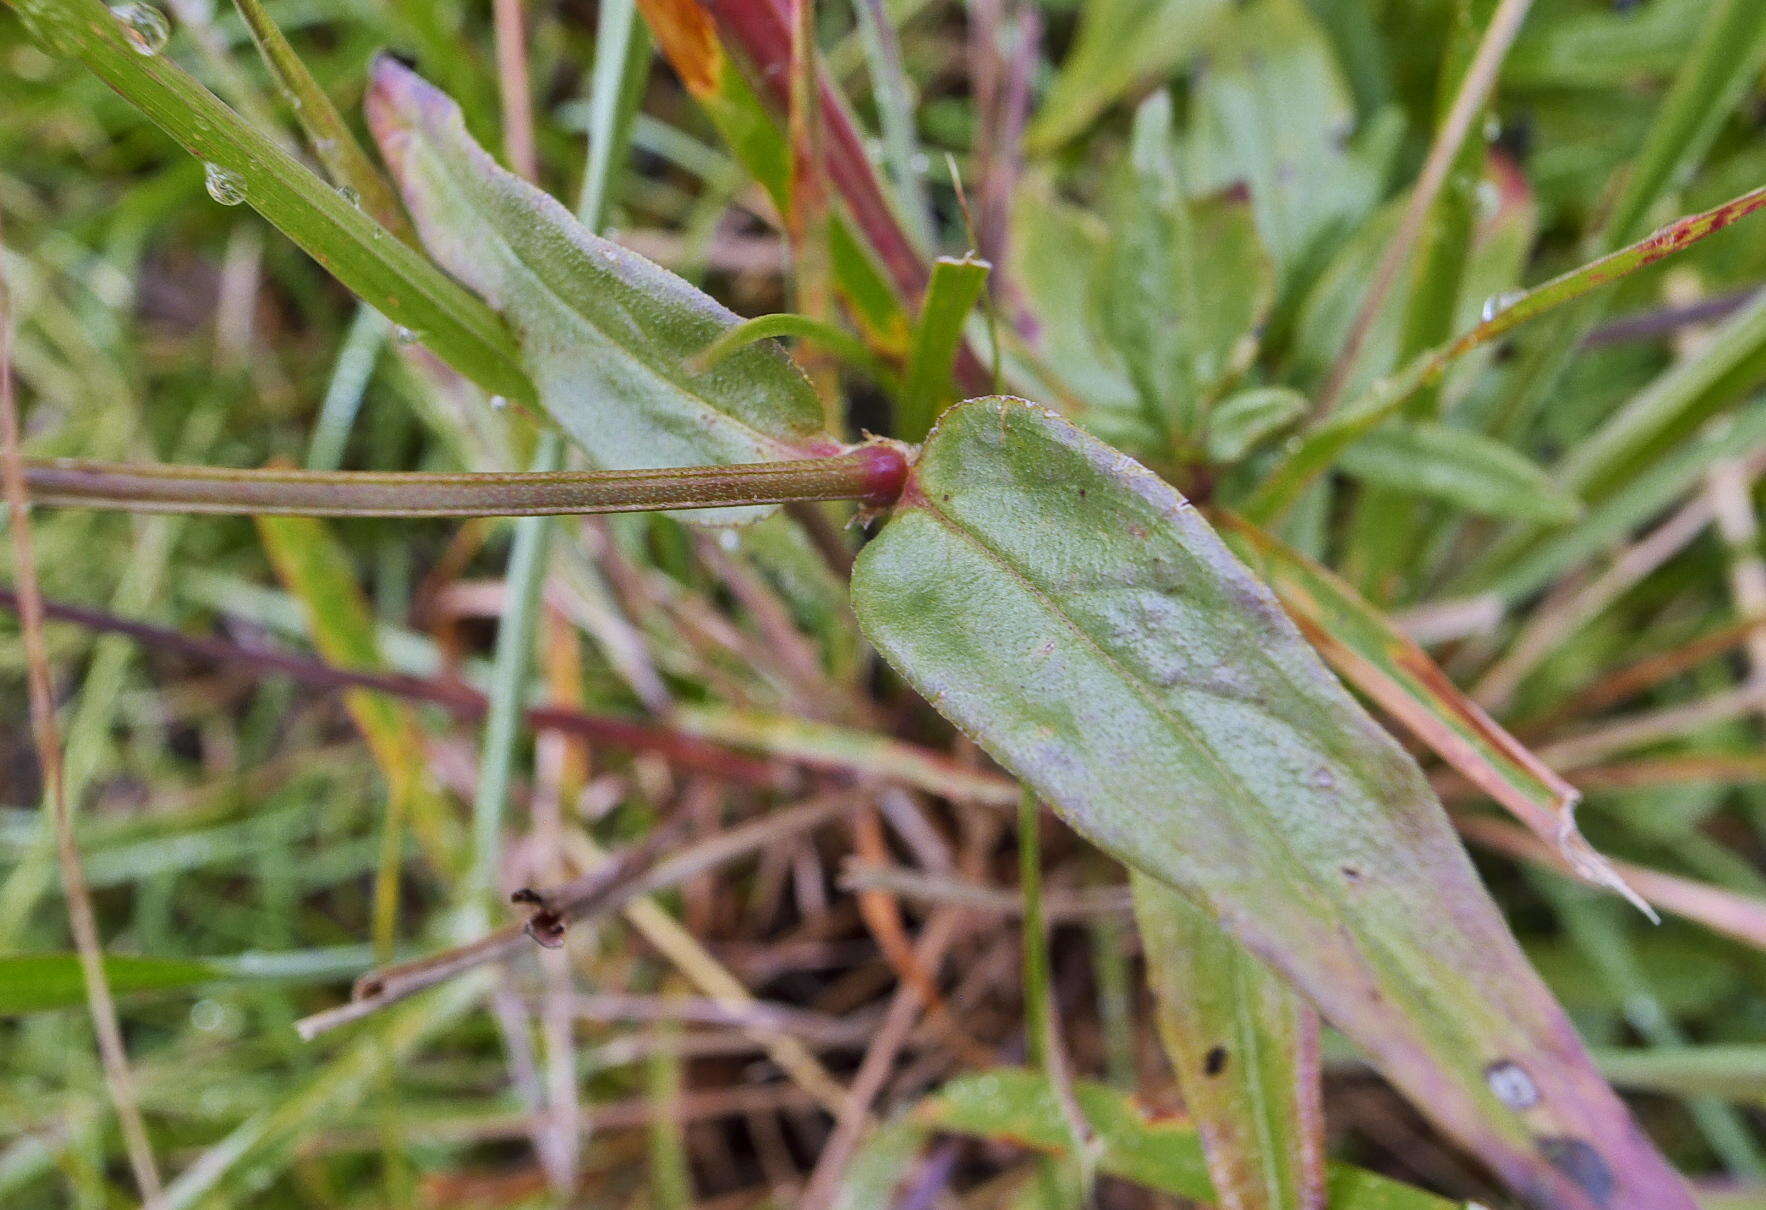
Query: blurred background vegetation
(258, 839)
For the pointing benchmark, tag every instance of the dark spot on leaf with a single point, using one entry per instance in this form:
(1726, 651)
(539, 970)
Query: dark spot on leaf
(1215, 1061)
(1351, 873)
(1581, 1165)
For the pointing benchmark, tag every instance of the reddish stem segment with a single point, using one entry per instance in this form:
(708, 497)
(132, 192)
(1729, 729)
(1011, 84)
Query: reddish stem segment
(873, 473)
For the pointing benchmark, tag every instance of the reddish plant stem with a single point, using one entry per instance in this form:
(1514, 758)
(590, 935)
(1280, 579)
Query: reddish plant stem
(761, 31)
(462, 701)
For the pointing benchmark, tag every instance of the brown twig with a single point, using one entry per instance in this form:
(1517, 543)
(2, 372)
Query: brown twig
(625, 877)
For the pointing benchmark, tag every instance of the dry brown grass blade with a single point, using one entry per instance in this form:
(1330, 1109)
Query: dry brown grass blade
(1723, 911)
(47, 736)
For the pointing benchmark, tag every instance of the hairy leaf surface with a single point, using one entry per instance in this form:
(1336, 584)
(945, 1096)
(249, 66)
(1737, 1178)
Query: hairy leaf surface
(1069, 610)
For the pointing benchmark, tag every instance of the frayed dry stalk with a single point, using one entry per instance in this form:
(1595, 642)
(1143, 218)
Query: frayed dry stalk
(625, 877)
(872, 473)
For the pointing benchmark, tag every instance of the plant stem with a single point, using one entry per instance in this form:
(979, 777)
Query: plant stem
(1474, 91)
(873, 472)
(514, 655)
(1318, 449)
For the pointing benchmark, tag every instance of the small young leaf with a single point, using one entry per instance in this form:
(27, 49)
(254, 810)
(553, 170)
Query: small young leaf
(955, 287)
(1464, 468)
(1159, 1152)
(1185, 282)
(1242, 422)
(1245, 1050)
(607, 336)
(1067, 609)
(1273, 112)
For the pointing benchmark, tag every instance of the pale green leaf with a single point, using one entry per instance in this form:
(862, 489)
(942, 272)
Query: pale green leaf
(1466, 469)
(608, 337)
(1160, 1152)
(1095, 637)
(1242, 422)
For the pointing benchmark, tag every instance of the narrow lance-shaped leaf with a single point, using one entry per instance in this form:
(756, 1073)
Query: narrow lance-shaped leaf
(1245, 1049)
(1466, 469)
(608, 337)
(689, 40)
(1070, 611)
(1383, 662)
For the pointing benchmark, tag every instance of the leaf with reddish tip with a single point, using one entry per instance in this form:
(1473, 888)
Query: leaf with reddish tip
(1069, 610)
(1383, 662)
(607, 336)
(1245, 1050)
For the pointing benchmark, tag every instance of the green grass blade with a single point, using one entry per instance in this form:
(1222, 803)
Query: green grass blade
(330, 137)
(384, 272)
(955, 287)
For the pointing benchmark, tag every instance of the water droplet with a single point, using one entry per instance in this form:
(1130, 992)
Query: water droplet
(406, 336)
(1511, 1084)
(224, 185)
(350, 195)
(1321, 778)
(498, 403)
(144, 25)
(1496, 304)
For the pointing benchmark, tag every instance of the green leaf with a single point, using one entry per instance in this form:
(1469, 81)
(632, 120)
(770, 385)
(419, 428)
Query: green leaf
(32, 983)
(1373, 654)
(1467, 469)
(606, 335)
(387, 274)
(1185, 282)
(1242, 422)
(1120, 44)
(1245, 1050)
(1069, 611)
(1159, 1152)
(951, 294)
(1272, 111)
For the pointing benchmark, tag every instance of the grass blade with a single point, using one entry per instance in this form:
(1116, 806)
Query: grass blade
(385, 273)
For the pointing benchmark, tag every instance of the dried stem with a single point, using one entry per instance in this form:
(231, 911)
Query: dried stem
(1474, 91)
(47, 735)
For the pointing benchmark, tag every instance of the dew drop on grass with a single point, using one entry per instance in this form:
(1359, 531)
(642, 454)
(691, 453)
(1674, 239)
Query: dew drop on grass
(498, 403)
(224, 185)
(350, 195)
(144, 25)
(406, 336)
(1496, 304)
